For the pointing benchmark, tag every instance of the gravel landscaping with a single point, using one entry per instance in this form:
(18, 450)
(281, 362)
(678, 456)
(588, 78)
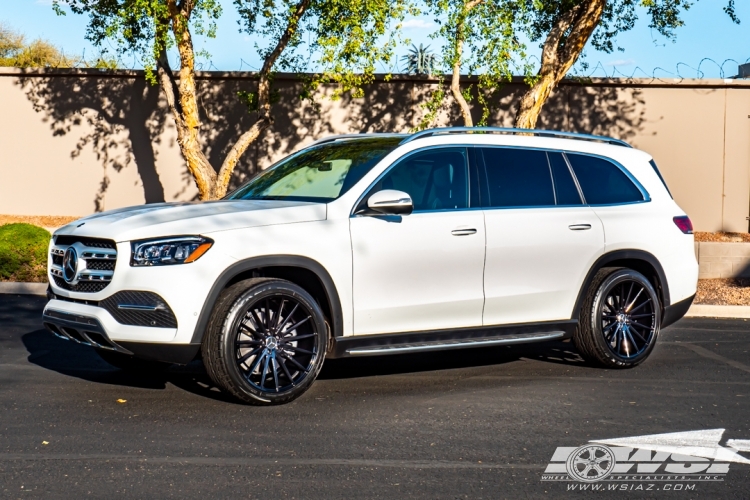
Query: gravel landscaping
(724, 292)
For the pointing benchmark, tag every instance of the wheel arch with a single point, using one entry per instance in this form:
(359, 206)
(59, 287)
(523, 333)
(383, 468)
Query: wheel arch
(638, 260)
(303, 271)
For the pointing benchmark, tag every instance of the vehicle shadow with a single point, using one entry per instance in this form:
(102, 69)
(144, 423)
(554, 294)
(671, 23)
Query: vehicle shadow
(75, 360)
(559, 352)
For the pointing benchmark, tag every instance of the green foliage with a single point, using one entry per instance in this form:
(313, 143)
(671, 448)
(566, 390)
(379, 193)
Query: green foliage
(23, 253)
(481, 38)
(420, 60)
(619, 16)
(142, 27)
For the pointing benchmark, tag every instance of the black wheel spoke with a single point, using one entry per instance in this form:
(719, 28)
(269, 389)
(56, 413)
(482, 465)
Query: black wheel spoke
(638, 324)
(247, 342)
(286, 370)
(286, 320)
(298, 349)
(256, 362)
(638, 307)
(246, 328)
(297, 337)
(250, 354)
(291, 358)
(265, 372)
(634, 331)
(649, 315)
(278, 315)
(275, 369)
(297, 325)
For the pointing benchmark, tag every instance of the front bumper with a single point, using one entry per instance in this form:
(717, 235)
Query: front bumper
(88, 328)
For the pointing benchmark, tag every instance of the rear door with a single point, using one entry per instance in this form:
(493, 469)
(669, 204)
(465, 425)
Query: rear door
(541, 238)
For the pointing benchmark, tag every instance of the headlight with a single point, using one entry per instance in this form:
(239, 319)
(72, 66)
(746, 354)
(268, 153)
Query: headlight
(168, 251)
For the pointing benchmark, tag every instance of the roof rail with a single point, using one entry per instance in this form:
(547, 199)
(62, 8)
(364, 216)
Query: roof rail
(525, 131)
(341, 137)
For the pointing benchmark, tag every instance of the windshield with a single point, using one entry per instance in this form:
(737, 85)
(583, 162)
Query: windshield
(320, 173)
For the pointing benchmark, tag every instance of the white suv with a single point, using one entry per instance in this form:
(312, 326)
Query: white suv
(380, 244)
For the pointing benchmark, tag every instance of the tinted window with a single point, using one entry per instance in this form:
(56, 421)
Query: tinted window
(518, 178)
(602, 182)
(566, 191)
(319, 173)
(435, 179)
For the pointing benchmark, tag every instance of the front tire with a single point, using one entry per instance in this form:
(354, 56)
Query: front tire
(265, 341)
(619, 319)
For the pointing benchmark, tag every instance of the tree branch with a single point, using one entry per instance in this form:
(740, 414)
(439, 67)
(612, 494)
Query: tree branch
(264, 102)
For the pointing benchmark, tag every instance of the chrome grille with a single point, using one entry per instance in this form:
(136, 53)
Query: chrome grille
(95, 261)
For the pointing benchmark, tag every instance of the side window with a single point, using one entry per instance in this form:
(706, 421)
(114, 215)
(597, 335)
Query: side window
(518, 178)
(566, 191)
(435, 179)
(602, 182)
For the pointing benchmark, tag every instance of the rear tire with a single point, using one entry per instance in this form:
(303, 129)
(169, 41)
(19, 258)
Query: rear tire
(619, 319)
(265, 342)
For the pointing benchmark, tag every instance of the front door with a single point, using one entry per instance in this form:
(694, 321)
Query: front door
(422, 271)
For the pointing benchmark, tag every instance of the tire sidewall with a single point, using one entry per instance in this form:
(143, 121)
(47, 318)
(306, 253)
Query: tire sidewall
(231, 323)
(595, 317)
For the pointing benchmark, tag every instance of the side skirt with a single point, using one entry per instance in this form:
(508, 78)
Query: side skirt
(435, 340)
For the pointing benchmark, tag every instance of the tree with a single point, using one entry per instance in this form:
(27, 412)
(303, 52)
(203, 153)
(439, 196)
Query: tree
(480, 37)
(420, 61)
(567, 26)
(344, 33)
(15, 51)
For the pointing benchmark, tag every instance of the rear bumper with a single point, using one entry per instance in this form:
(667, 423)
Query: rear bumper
(676, 311)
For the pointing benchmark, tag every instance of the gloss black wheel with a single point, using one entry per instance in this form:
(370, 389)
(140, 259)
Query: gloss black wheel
(619, 320)
(265, 343)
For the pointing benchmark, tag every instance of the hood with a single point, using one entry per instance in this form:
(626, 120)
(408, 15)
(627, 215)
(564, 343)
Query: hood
(171, 219)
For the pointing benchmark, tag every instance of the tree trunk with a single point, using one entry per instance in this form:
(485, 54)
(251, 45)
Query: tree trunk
(458, 57)
(183, 102)
(561, 50)
(184, 105)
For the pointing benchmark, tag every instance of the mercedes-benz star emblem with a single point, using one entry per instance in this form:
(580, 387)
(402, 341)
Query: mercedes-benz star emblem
(70, 265)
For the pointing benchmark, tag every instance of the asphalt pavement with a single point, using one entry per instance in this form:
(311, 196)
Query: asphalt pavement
(474, 423)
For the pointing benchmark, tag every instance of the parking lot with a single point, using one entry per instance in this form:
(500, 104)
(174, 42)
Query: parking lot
(466, 424)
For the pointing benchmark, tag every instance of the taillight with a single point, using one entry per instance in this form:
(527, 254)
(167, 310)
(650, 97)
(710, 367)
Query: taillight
(683, 222)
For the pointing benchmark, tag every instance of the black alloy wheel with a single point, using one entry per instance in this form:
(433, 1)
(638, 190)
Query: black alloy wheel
(619, 320)
(265, 342)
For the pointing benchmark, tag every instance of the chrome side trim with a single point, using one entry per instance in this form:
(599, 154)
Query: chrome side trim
(137, 307)
(458, 344)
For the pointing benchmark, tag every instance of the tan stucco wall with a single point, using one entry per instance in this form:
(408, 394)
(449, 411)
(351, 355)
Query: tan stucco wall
(75, 142)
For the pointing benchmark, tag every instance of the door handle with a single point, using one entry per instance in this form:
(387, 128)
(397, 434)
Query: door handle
(463, 232)
(579, 227)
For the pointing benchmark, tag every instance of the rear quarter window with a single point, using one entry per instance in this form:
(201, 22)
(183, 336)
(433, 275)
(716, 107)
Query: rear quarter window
(603, 182)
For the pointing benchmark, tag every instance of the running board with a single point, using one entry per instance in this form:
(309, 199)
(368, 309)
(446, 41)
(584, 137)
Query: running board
(455, 344)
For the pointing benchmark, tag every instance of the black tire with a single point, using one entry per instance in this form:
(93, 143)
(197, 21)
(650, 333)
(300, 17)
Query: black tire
(619, 319)
(132, 364)
(251, 328)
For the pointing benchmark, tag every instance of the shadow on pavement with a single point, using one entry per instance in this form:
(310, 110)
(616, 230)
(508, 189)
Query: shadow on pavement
(83, 362)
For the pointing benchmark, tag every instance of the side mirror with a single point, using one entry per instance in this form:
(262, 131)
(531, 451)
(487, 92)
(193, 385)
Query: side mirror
(391, 202)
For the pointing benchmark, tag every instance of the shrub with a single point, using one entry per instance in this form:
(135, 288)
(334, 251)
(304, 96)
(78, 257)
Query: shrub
(23, 253)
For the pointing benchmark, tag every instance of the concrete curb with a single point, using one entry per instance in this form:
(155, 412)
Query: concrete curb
(709, 311)
(23, 288)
